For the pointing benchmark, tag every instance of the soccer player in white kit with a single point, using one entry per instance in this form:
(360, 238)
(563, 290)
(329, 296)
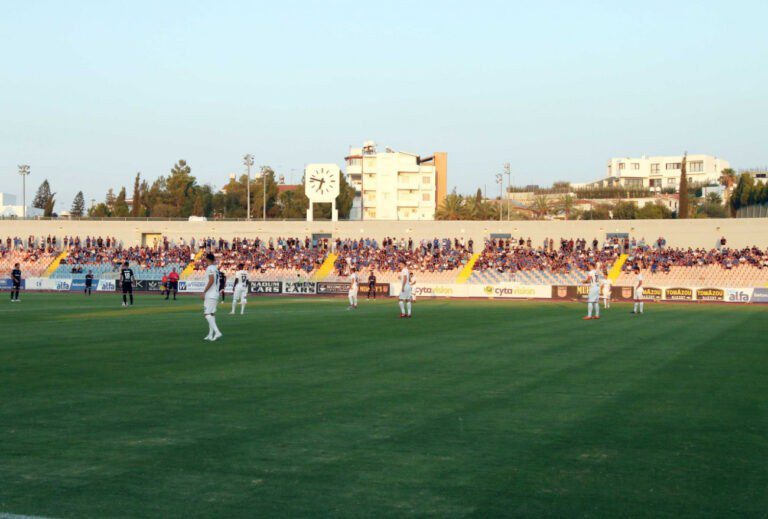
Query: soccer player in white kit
(593, 297)
(405, 290)
(606, 293)
(211, 297)
(240, 289)
(638, 292)
(354, 287)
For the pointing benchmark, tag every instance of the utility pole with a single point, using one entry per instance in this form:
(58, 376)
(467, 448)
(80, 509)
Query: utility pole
(24, 171)
(500, 182)
(508, 173)
(248, 161)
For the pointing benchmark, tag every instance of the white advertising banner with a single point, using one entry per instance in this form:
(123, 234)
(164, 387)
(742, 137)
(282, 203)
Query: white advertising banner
(738, 295)
(61, 285)
(510, 291)
(106, 285)
(193, 285)
(501, 291)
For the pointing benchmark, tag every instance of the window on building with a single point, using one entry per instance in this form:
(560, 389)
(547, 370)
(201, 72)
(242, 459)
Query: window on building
(671, 181)
(426, 180)
(696, 166)
(672, 165)
(633, 182)
(654, 168)
(426, 197)
(621, 165)
(636, 166)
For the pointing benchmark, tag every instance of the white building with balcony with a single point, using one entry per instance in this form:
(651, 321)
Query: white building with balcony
(659, 173)
(396, 185)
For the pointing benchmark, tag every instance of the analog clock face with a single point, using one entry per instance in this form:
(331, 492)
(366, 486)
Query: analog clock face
(322, 182)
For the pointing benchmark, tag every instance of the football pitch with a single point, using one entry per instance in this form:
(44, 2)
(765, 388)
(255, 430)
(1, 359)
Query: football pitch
(471, 408)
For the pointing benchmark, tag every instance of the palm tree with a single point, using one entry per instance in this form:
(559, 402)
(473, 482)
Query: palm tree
(541, 206)
(452, 208)
(714, 198)
(566, 203)
(727, 180)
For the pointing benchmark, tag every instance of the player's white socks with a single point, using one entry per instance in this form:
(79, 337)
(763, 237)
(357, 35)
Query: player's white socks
(402, 308)
(409, 307)
(351, 300)
(212, 324)
(242, 307)
(589, 309)
(597, 309)
(641, 307)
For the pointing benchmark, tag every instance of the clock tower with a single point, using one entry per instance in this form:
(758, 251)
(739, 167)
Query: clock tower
(321, 185)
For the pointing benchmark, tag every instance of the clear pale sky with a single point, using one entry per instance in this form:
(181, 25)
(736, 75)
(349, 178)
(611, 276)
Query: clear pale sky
(92, 92)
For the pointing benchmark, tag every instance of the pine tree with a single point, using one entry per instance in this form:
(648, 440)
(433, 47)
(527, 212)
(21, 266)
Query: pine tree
(42, 196)
(682, 205)
(109, 201)
(136, 205)
(78, 205)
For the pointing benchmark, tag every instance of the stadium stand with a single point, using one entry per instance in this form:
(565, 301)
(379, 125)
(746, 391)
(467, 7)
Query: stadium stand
(438, 260)
(34, 254)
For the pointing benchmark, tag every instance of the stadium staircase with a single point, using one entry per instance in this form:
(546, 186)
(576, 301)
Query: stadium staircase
(54, 264)
(326, 268)
(466, 272)
(616, 269)
(190, 268)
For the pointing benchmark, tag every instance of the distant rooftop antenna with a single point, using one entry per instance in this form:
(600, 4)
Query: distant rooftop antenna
(369, 147)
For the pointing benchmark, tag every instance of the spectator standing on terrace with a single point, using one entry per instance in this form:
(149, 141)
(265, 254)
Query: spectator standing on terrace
(16, 283)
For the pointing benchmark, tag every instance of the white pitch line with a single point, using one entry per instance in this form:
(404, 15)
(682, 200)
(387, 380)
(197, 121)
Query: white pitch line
(14, 516)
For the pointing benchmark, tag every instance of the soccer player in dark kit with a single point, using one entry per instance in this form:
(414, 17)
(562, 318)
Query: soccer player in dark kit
(126, 281)
(371, 285)
(88, 283)
(222, 284)
(16, 283)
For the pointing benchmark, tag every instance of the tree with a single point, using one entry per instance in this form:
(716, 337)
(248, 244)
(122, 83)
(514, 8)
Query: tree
(714, 197)
(741, 194)
(727, 180)
(452, 208)
(541, 206)
(293, 203)
(78, 205)
(257, 192)
(180, 189)
(44, 199)
(683, 210)
(655, 211)
(109, 200)
(566, 204)
(710, 209)
(136, 204)
(99, 211)
(477, 208)
(121, 205)
(624, 210)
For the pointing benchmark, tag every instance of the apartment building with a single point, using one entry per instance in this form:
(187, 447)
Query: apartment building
(659, 173)
(396, 185)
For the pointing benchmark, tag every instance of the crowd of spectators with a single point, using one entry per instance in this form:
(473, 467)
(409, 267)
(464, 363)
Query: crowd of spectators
(436, 255)
(664, 259)
(512, 255)
(291, 254)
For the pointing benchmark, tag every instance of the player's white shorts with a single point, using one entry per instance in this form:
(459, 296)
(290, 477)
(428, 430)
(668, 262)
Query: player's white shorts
(209, 305)
(606, 291)
(594, 295)
(240, 294)
(639, 293)
(406, 293)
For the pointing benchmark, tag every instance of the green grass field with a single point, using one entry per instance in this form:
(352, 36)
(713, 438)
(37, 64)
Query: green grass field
(469, 409)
